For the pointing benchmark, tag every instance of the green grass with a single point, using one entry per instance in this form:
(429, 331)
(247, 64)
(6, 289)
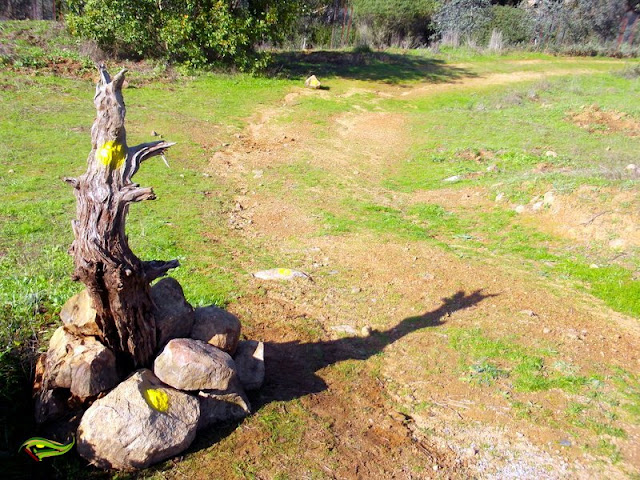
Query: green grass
(517, 372)
(526, 368)
(517, 125)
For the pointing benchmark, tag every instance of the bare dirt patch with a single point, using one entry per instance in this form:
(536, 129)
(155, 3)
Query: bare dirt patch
(491, 79)
(594, 214)
(394, 403)
(595, 120)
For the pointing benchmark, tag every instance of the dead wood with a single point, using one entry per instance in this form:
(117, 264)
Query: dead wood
(116, 279)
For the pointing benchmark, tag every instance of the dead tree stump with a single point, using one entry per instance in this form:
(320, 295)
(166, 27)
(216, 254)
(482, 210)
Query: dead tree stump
(117, 280)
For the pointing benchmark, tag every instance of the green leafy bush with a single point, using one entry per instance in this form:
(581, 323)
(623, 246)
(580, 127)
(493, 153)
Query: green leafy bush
(468, 18)
(515, 24)
(119, 27)
(395, 22)
(190, 32)
(577, 22)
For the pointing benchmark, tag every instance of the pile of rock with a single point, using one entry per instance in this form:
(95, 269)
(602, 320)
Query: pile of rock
(199, 378)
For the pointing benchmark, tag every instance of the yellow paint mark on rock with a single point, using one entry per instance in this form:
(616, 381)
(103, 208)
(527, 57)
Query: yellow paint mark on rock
(111, 154)
(285, 272)
(157, 399)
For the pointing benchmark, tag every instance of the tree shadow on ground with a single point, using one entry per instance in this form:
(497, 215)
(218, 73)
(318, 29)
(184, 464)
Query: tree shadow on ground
(384, 67)
(292, 366)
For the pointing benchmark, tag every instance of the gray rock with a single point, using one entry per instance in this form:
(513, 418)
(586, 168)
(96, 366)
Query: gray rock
(173, 314)
(280, 274)
(249, 359)
(453, 179)
(79, 316)
(139, 423)
(217, 406)
(189, 364)
(82, 364)
(51, 404)
(216, 327)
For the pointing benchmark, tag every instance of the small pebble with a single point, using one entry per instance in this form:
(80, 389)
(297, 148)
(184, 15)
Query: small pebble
(366, 331)
(520, 209)
(546, 330)
(455, 178)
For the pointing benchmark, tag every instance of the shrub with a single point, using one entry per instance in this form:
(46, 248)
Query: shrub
(515, 24)
(467, 17)
(191, 32)
(404, 23)
(119, 27)
(577, 22)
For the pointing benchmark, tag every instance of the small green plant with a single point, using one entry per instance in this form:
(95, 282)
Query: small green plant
(484, 373)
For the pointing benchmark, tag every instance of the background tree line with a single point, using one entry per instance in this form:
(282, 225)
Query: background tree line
(230, 32)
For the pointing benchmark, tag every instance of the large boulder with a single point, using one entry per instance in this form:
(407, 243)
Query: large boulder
(249, 359)
(173, 314)
(81, 364)
(216, 327)
(139, 423)
(79, 316)
(217, 406)
(189, 364)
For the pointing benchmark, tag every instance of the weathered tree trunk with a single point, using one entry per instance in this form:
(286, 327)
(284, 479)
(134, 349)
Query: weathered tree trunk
(116, 279)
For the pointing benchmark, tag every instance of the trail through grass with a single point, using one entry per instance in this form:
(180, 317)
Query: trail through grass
(495, 137)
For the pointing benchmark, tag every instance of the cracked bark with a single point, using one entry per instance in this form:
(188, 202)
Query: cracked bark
(117, 280)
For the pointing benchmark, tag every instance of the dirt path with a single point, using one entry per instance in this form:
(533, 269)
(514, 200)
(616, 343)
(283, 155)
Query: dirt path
(391, 404)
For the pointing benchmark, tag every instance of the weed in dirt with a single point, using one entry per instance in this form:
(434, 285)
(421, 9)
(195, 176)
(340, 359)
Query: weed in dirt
(607, 449)
(525, 368)
(484, 373)
(628, 387)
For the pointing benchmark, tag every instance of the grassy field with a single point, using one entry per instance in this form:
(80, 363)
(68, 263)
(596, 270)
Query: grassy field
(410, 178)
